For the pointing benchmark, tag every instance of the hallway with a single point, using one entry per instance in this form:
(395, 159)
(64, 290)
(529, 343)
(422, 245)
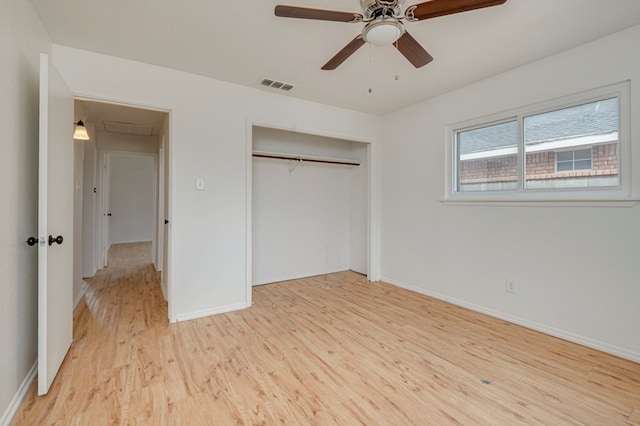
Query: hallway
(122, 311)
(125, 294)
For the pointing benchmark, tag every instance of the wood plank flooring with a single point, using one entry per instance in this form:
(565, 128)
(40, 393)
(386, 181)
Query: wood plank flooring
(331, 349)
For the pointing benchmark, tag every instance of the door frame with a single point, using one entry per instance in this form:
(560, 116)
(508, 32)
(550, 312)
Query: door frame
(373, 234)
(158, 255)
(102, 223)
(170, 233)
(104, 189)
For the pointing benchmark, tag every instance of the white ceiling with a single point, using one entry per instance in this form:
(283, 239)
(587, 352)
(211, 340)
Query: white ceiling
(241, 41)
(99, 112)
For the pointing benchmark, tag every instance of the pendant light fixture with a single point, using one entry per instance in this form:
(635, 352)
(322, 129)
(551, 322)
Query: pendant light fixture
(81, 132)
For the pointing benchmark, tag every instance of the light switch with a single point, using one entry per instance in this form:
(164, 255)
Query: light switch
(199, 184)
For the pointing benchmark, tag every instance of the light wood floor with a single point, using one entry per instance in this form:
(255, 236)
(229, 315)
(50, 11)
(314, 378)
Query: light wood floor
(331, 349)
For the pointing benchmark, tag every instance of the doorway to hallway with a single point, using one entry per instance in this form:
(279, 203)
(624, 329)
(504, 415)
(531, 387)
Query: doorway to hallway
(122, 187)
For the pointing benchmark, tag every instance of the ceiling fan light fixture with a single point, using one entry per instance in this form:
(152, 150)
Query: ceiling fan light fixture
(383, 32)
(80, 132)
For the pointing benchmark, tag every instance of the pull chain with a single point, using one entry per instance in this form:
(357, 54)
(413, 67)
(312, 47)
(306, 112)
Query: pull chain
(370, 70)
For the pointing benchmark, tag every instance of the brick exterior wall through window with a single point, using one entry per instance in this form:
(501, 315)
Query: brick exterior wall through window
(540, 165)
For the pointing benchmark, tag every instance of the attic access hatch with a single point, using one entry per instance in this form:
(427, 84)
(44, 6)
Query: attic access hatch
(128, 128)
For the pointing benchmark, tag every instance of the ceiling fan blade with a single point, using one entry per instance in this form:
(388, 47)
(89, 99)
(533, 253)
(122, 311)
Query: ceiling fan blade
(342, 55)
(435, 8)
(319, 14)
(413, 51)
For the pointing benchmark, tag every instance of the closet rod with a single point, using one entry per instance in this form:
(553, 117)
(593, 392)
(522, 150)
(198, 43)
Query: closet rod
(303, 158)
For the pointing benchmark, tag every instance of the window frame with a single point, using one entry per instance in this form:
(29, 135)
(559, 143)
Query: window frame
(621, 192)
(573, 159)
(457, 155)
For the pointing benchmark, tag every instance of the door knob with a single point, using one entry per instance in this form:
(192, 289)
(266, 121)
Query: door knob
(32, 241)
(57, 240)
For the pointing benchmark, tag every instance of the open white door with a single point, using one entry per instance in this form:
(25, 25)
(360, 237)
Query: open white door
(159, 255)
(106, 208)
(55, 224)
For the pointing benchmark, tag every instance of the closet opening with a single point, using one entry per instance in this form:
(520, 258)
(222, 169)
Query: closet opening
(310, 206)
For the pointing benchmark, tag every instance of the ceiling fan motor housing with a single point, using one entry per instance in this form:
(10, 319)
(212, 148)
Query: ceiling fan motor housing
(373, 9)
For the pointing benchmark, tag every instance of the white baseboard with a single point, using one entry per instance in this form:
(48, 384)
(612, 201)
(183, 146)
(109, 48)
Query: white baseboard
(89, 275)
(555, 332)
(12, 409)
(163, 287)
(78, 298)
(296, 277)
(209, 312)
(129, 242)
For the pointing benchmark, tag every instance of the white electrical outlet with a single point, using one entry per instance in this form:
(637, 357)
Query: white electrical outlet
(511, 285)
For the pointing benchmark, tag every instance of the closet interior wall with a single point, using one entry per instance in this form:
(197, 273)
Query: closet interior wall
(309, 218)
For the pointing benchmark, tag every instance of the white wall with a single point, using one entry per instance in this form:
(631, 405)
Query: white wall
(301, 211)
(108, 141)
(22, 39)
(209, 140)
(577, 268)
(132, 198)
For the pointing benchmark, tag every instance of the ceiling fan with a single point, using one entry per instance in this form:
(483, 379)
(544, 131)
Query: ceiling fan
(383, 19)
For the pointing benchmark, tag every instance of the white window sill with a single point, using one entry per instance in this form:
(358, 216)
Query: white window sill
(609, 202)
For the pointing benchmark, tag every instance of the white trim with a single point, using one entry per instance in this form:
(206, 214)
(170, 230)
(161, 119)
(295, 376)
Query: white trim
(159, 254)
(577, 202)
(164, 291)
(14, 405)
(172, 236)
(78, 298)
(373, 249)
(299, 276)
(551, 331)
(373, 216)
(292, 127)
(249, 214)
(623, 191)
(132, 242)
(209, 312)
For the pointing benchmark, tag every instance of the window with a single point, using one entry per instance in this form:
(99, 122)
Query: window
(487, 158)
(572, 135)
(567, 161)
(570, 148)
